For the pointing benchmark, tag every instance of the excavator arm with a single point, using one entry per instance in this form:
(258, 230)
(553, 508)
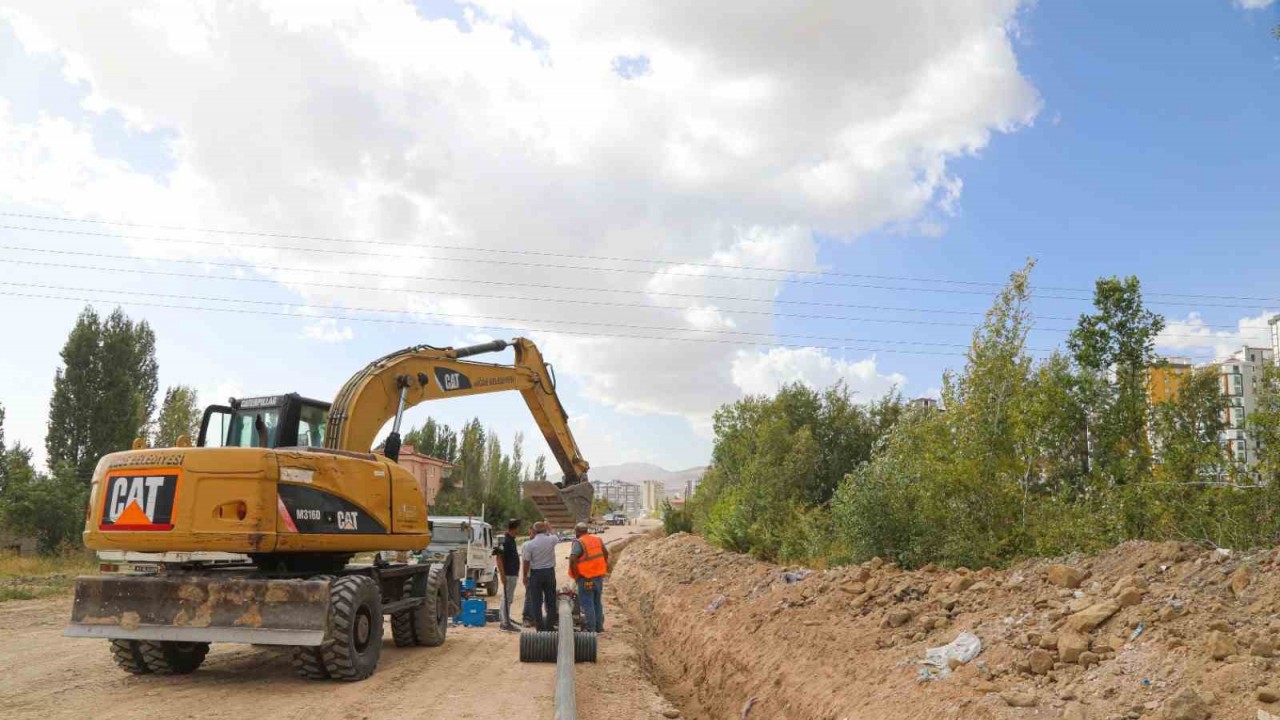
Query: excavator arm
(391, 384)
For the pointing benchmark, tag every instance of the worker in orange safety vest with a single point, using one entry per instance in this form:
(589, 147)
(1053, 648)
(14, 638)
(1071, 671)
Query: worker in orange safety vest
(588, 564)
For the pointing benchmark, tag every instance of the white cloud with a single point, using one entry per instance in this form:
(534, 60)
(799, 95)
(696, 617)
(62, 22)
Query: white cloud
(746, 134)
(1253, 4)
(759, 373)
(327, 330)
(1194, 334)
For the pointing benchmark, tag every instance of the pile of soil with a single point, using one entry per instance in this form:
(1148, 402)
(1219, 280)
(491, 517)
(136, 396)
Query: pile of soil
(1145, 630)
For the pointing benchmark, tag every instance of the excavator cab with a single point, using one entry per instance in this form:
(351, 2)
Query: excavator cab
(273, 421)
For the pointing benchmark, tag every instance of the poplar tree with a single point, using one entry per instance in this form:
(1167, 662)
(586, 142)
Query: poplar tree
(179, 415)
(104, 394)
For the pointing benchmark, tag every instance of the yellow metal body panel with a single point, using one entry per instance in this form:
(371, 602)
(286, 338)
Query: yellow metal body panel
(229, 500)
(333, 500)
(371, 397)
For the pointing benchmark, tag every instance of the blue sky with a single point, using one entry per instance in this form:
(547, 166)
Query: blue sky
(1099, 138)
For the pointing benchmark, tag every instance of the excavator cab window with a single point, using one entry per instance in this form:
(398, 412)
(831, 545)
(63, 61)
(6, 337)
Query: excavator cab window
(268, 422)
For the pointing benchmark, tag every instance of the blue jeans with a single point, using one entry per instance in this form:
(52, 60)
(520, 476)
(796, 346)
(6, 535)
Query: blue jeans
(592, 600)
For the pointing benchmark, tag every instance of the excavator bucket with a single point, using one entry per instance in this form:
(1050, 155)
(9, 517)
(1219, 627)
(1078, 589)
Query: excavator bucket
(201, 609)
(563, 507)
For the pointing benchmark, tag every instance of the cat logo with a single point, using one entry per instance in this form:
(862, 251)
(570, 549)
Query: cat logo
(452, 380)
(347, 519)
(139, 501)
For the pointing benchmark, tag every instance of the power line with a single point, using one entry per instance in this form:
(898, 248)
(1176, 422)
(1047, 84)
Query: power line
(612, 324)
(573, 256)
(483, 296)
(508, 283)
(400, 321)
(491, 262)
(504, 251)
(495, 283)
(574, 301)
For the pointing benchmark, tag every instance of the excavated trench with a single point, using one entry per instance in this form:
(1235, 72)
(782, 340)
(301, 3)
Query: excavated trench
(1178, 630)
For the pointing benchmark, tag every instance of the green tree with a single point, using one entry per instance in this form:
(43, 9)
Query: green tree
(958, 486)
(675, 520)
(435, 439)
(1113, 348)
(179, 415)
(104, 394)
(3, 470)
(777, 462)
(1263, 425)
(540, 468)
(49, 508)
(76, 402)
(1187, 431)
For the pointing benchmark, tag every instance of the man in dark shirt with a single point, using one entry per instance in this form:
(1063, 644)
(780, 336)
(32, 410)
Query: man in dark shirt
(508, 561)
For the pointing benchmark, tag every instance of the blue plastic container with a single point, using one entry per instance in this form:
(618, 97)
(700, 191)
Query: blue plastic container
(472, 614)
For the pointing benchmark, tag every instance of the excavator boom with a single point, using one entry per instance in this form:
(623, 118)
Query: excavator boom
(391, 384)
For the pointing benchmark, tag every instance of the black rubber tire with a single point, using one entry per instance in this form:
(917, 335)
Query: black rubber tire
(309, 663)
(306, 659)
(402, 622)
(354, 644)
(129, 657)
(491, 587)
(173, 658)
(431, 618)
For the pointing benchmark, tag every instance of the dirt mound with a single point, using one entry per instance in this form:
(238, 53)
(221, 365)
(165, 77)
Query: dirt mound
(1142, 630)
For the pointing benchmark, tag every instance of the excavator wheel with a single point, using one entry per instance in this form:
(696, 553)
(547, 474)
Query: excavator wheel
(355, 628)
(140, 657)
(309, 663)
(129, 657)
(173, 658)
(402, 622)
(431, 618)
(307, 660)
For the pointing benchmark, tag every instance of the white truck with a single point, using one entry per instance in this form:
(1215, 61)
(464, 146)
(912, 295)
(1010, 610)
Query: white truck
(473, 534)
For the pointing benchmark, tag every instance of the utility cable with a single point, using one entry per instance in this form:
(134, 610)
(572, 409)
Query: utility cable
(433, 313)
(400, 321)
(587, 257)
(480, 281)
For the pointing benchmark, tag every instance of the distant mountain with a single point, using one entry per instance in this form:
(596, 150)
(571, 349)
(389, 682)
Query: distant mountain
(673, 481)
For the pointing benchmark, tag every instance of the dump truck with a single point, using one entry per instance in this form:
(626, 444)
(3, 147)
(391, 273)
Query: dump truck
(290, 485)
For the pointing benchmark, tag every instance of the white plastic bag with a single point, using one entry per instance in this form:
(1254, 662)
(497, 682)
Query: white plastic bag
(936, 664)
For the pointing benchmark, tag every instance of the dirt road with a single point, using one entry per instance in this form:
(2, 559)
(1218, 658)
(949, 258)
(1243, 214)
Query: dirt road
(475, 674)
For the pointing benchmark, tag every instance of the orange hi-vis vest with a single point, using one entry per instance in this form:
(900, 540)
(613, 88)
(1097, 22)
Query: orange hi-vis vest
(591, 564)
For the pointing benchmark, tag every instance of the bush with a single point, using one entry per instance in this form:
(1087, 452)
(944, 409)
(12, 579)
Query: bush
(675, 521)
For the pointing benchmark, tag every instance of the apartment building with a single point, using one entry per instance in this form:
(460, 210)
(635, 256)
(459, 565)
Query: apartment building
(625, 495)
(1239, 381)
(654, 493)
(1274, 324)
(1166, 379)
(430, 472)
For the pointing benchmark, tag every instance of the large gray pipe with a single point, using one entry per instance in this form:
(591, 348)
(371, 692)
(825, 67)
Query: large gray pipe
(566, 698)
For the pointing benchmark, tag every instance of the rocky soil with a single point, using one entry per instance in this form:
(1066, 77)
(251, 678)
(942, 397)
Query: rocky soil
(1163, 631)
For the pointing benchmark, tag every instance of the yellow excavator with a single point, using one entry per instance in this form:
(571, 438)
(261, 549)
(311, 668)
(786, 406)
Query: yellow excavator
(291, 484)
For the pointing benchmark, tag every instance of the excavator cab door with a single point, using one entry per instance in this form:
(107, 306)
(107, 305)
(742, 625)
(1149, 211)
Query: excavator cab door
(215, 426)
